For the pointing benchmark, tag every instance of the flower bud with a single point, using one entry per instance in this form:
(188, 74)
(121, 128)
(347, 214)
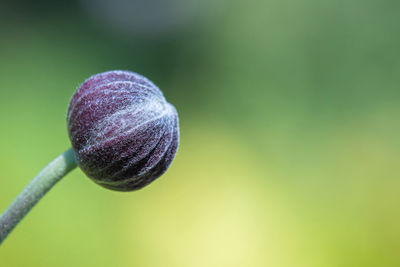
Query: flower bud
(123, 131)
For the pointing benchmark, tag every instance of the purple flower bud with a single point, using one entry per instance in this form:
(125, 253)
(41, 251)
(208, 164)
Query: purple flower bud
(123, 131)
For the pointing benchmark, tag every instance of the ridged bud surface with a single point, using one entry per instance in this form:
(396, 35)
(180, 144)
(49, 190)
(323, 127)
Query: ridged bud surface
(123, 131)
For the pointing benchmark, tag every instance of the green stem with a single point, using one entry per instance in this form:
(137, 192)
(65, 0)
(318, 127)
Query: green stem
(37, 188)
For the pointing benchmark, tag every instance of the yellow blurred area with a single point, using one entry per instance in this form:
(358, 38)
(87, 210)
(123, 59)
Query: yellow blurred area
(223, 209)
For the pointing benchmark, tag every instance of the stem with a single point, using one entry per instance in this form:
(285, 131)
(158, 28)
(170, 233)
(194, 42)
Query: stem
(37, 188)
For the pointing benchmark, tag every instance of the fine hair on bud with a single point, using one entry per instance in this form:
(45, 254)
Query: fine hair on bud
(123, 131)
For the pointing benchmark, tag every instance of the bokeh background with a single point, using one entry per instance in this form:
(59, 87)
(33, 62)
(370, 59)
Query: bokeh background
(289, 115)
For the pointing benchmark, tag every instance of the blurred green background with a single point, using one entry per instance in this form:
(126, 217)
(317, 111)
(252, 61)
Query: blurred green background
(289, 115)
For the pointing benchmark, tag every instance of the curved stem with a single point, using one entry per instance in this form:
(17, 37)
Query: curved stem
(37, 188)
